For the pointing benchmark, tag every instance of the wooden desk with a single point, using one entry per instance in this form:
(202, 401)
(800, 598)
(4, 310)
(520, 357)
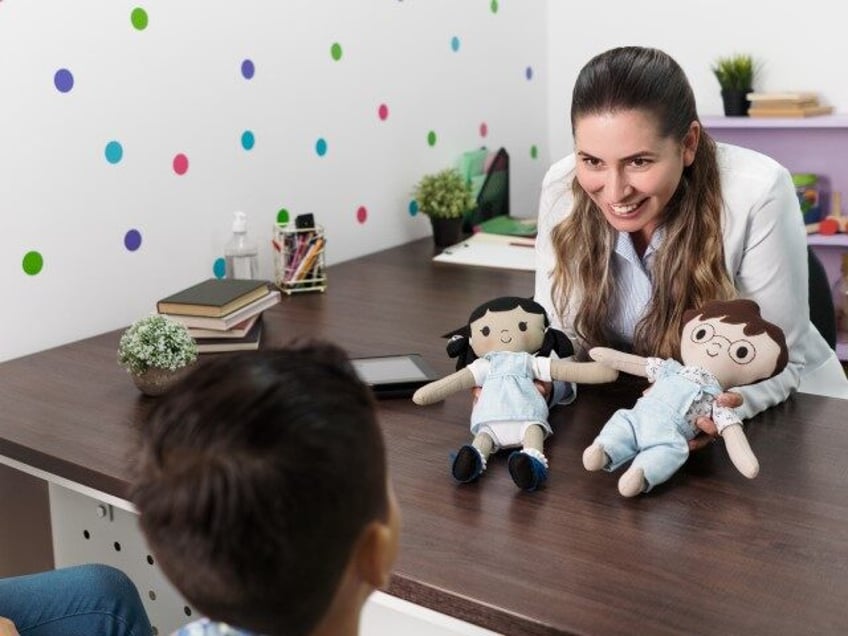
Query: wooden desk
(709, 552)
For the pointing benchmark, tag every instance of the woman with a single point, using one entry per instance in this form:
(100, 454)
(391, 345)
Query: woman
(95, 600)
(650, 217)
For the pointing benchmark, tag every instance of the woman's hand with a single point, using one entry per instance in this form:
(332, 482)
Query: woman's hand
(709, 432)
(7, 627)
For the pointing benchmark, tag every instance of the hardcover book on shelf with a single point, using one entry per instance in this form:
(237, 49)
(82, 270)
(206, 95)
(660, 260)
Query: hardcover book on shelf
(222, 323)
(238, 331)
(248, 342)
(213, 297)
(790, 111)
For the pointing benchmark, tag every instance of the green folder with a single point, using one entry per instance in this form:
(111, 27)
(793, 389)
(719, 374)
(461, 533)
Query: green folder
(510, 225)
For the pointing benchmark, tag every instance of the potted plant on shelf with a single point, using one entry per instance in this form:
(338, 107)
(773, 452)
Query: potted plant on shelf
(445, 197)
(735, 75)
(156, 351)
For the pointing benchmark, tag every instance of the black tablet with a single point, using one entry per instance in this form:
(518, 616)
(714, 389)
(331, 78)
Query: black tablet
(395, 375)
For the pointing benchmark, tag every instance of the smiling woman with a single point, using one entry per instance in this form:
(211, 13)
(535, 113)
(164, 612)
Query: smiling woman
(650, 217)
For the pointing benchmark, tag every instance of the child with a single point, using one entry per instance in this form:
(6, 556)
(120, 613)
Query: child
(262, 491)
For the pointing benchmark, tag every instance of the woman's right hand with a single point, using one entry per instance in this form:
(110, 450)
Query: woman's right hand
(7, 627)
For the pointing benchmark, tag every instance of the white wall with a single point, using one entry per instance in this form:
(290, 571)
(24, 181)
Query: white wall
(799, 47)
(176, 87)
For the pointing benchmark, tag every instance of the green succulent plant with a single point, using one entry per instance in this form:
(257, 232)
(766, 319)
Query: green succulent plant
(444, 194)
(735, 72)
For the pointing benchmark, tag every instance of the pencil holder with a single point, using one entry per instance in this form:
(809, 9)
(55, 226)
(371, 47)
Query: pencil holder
(299, 258)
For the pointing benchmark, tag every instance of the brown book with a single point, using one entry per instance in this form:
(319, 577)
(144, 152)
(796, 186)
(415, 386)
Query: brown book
(213, 297)
(808, 111)
(222, 323)
(238, 331)
(248, 342)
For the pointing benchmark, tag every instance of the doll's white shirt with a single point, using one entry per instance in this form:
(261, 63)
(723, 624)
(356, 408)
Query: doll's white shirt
(765, 251)
(705, 404)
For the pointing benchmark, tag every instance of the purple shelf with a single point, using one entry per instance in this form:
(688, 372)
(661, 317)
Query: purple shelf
(834, 240)
(716, 122)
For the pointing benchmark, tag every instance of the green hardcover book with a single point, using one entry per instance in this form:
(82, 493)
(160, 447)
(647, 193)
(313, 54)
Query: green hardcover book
(213, 297)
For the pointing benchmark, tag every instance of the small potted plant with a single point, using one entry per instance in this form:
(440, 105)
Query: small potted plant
(156, 351)
(735, 75)
(445, 197)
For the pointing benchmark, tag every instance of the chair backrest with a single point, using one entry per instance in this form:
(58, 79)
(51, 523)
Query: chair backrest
(822, 313)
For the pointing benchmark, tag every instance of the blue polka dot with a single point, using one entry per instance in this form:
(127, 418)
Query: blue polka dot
(529, 72)
(64, 80)
(114, 152)
(219, 268)
(132, 240)
(247, 140)
(248, 69)
(321, 147)
(455, 43)
(413, 207)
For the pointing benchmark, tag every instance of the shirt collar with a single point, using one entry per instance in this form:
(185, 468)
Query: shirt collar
(624, 247)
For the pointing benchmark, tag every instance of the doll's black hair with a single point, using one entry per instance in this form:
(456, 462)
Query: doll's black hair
(459, 345)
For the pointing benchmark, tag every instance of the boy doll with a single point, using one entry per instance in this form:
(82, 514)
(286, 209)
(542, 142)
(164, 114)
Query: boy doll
(723, 344)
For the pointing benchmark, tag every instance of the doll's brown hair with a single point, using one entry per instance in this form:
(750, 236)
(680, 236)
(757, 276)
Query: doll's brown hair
(742, 311)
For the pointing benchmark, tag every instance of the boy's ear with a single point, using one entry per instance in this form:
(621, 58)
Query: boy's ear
(375, 554)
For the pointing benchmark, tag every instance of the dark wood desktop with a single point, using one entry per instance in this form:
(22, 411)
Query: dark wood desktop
(709, 552)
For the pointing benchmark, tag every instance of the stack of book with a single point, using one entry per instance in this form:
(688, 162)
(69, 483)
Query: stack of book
(222, 314)
(786, 105)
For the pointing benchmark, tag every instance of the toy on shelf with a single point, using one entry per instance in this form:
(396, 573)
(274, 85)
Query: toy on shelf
(723, 344)
(505, 346)
(834, 222)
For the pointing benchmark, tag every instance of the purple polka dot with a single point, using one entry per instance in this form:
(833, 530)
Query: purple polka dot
(529, 73)
(247, 69)
(64, 80)
(132, 240)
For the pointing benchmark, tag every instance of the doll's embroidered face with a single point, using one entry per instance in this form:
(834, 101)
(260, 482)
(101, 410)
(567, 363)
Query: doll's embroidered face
(727, 352)
(513, 330)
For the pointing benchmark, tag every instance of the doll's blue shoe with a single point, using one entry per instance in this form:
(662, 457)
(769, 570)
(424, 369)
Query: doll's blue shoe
(468, 464)
(527, 470)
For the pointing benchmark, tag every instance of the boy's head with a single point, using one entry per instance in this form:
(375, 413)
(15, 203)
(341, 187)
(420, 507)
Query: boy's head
(262, 489)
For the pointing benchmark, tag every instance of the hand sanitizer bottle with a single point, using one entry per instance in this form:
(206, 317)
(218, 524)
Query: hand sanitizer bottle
(241, 254)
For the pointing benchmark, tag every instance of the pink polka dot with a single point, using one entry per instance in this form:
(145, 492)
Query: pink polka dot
(362, 214)
(180, 164)
(484, 129)
(383, 112)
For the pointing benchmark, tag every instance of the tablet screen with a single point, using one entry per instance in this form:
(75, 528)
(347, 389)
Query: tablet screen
(396, 374)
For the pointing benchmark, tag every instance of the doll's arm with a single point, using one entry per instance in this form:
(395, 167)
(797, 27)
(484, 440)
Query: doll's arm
(439, 389)
(582, 372)
(740, 451)
(627, 362)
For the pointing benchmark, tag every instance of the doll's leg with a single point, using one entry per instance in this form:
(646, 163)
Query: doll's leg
(614, 445)
(653, 466)
(529, 466)
(470, 460)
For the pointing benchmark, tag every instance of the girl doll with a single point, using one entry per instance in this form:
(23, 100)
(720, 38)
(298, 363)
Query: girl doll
(505, 347)
(723, 344)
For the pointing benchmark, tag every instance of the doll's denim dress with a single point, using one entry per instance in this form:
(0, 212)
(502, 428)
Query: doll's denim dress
(509, 396)
(656, 430)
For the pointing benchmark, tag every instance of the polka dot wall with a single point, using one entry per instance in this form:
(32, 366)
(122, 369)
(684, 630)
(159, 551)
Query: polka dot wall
(346, 84)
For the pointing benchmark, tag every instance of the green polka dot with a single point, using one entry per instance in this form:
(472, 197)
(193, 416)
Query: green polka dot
(138, 17)
(336, 51)
(494, 6)
(431, 138)
(33, 263)
(282, 216)
(534, 152)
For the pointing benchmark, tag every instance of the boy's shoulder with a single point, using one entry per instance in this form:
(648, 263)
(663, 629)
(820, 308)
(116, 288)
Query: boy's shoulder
(205, 627)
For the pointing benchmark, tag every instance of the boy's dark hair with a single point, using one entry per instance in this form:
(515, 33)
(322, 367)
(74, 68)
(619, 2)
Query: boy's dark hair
(256, 476)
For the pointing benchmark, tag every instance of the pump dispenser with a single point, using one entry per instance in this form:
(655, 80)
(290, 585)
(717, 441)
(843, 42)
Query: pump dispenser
(241, 254)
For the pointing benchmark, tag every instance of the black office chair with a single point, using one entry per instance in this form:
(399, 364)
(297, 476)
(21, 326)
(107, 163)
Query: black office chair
(822, 312)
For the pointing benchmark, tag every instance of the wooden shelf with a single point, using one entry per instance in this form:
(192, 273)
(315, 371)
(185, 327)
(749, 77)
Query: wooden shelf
(821, 121)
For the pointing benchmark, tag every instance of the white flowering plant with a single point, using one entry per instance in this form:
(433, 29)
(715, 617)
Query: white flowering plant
(156, 341)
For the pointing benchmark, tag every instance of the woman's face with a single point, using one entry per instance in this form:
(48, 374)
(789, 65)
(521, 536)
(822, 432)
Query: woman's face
(628, 170)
